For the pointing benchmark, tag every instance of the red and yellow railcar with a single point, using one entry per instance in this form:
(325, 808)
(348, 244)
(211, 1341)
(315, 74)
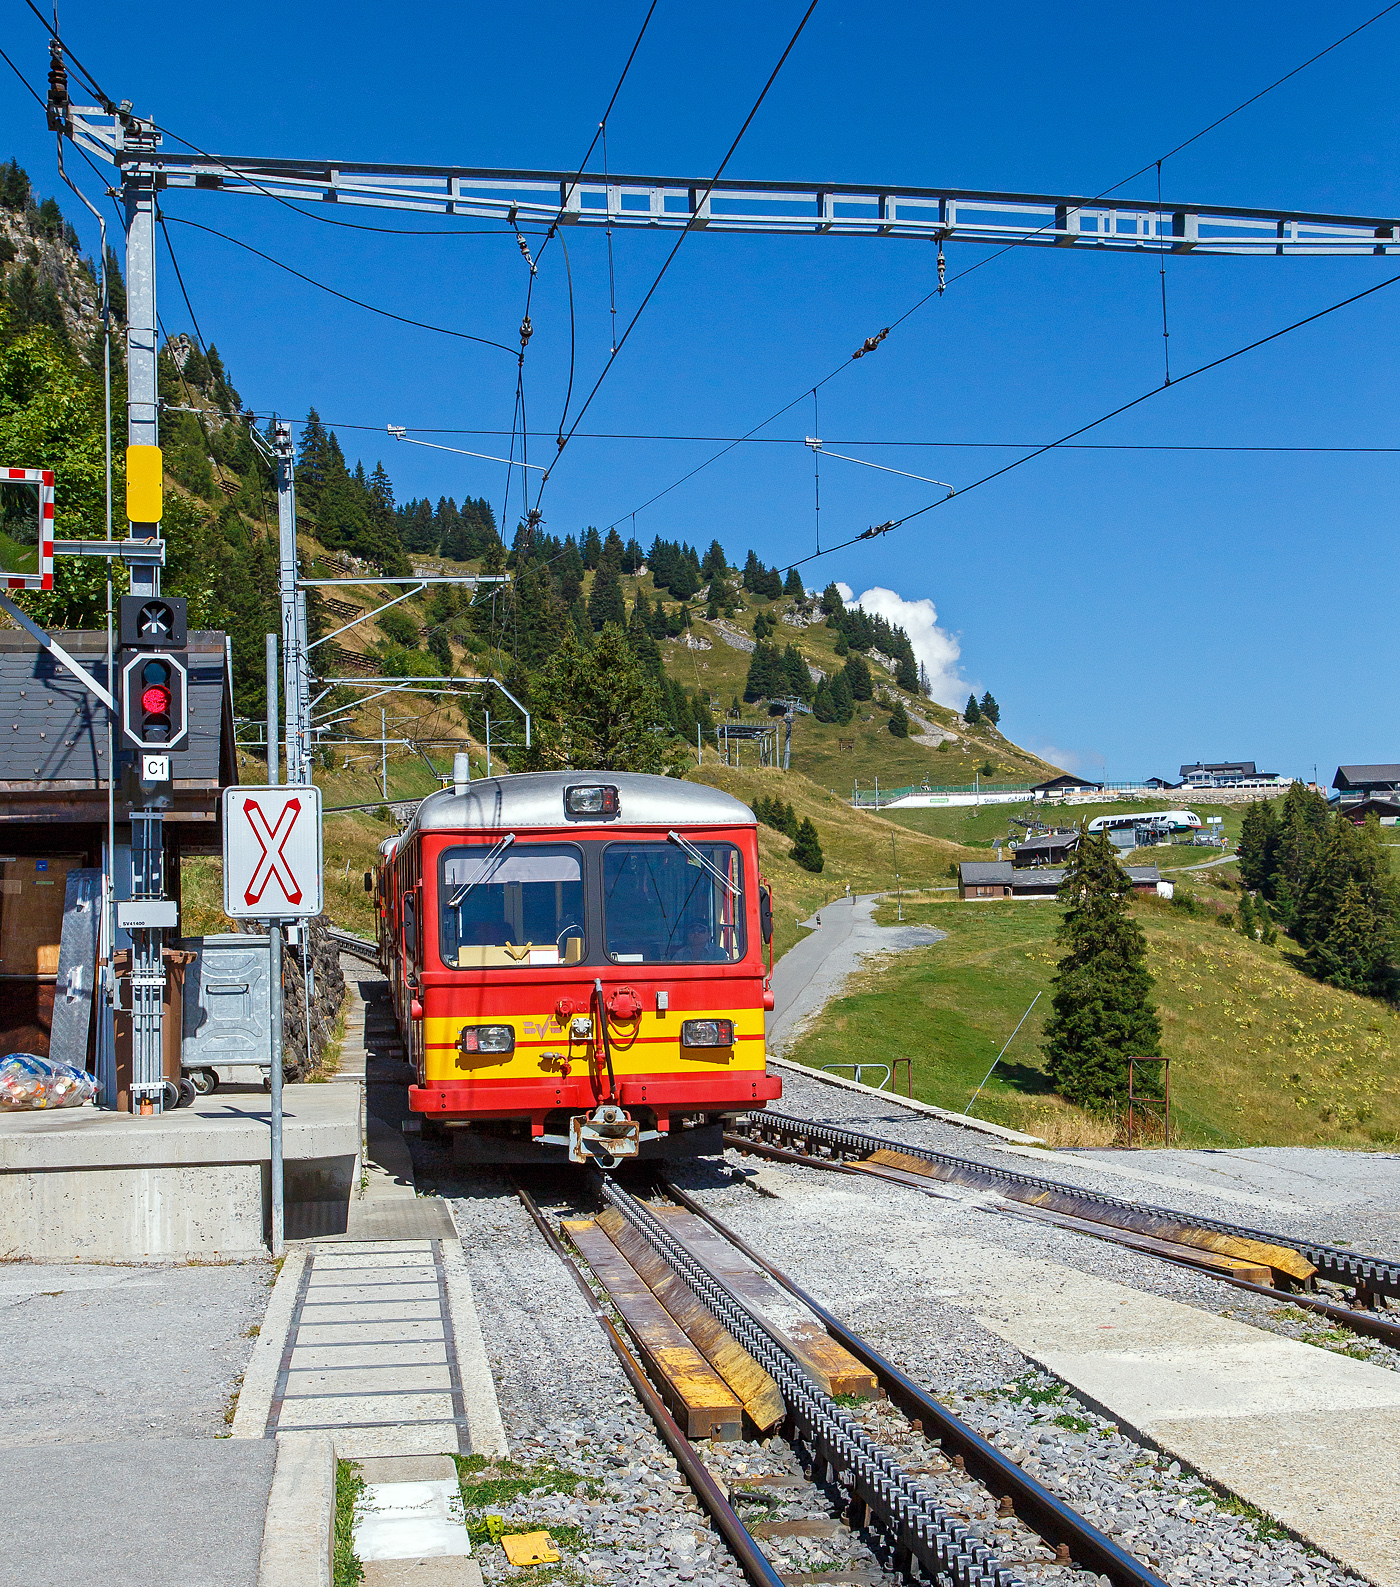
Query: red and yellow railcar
(577, 964)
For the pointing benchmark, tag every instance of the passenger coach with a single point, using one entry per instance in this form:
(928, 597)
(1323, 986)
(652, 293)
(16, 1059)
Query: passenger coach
(577, 964)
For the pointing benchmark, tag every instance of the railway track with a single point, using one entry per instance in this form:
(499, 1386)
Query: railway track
(932, 1521)
(1252, 1259)
(358, 946)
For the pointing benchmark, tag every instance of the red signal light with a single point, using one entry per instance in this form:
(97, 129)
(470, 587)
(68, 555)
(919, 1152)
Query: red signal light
(156, 701)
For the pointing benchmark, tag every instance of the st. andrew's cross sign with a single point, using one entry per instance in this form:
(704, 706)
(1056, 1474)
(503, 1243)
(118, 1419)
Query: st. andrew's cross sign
(272, 852)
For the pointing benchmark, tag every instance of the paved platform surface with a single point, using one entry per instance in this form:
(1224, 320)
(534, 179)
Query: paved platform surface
(1310, 1436)
(177, 1512)
(1360, 1190)
(95, 1352)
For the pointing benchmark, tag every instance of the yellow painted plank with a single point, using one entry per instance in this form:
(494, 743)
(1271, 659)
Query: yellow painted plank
(694, 1392)
(1257, 1253)
(762, 1400)
(830, 1365)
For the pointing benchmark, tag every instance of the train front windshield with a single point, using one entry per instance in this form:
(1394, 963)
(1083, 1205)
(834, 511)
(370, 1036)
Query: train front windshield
(664, 903)
(520, 905)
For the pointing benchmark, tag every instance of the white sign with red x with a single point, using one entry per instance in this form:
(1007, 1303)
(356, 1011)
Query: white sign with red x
(272, 852)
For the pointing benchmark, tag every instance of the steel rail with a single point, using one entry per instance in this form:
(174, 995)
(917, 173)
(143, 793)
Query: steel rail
(1368, 1273)
(356, 945)
(735, 1534)
(1035, 1505)
(1373, 1324)
(918, 1527)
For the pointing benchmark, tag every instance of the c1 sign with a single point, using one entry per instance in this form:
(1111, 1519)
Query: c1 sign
(272, 852)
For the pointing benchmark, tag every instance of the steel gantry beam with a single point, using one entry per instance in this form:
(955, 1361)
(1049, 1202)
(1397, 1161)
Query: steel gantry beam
(834, 209)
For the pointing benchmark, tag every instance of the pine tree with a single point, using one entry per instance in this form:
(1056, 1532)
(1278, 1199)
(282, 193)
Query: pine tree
(857, 671)
(592, 548)
(843, 649)
(972, 712)
(1347, 910)
(313, 462)
(843, 701)
(1258, 846)
(596, 708)
(899, 720)
(766, 675)
(613, 550)
(989, 709)
(792, 585)
(1245, 917)
(715, 565)
(1102, 1011)
(832, 604)
(605, 600)
(807, 849)
(798, 675)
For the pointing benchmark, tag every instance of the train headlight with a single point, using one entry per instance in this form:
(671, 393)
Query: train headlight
(486, 1038)
(707, 1033)
(586, 800)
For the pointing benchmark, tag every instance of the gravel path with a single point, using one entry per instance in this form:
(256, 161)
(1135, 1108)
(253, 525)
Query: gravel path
(812, 971)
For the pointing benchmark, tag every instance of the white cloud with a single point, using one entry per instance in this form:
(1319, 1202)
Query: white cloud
(844, 591)
(1083, 762)
(935, 647)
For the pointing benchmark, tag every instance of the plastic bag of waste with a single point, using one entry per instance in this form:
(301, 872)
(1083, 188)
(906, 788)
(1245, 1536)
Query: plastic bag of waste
(28, 1081)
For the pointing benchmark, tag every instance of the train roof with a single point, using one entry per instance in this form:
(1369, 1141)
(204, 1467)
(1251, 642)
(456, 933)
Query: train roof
(536, 799)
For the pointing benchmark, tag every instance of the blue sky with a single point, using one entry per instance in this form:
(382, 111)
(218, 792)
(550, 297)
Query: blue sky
(1130, 610)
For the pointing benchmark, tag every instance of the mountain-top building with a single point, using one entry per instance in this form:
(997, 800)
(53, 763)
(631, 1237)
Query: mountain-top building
(1355, 783)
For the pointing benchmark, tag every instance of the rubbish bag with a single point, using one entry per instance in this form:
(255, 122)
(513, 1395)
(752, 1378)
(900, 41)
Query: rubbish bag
(28, 1081)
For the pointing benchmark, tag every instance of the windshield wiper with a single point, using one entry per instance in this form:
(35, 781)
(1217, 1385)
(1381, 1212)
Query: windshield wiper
(689, 849)
(493, 853)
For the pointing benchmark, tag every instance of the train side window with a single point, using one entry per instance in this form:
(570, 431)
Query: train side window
(520, 905)
(661, 905)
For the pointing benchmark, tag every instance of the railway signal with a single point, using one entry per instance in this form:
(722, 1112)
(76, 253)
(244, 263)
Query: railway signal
(153, 701)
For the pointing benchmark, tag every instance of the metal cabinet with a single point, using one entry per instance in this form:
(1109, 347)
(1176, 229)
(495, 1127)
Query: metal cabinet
(227, 1014)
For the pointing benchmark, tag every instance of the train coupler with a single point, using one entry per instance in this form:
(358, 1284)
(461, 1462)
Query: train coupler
(604, 1136)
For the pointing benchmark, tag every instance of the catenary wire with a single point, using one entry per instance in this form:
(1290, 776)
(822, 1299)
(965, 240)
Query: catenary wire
(602, 125)
(345, 297)
(998, 253)
(882, 529)
(30, 86)
(666, 263)
(797, 440)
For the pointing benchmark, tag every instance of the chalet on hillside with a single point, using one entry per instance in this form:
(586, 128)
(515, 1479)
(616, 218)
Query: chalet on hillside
(1049, 848)
(979, 880)
(1223, 774)
(1065, 784)
(1358, 811)
(1354, 783)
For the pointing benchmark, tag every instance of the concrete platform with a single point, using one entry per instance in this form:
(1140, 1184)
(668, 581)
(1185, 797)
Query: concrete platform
(174, 1512)
(1309, 1436)
(82, 1185)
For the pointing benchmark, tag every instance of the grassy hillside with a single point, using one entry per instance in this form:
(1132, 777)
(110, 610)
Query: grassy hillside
(1261, 1054)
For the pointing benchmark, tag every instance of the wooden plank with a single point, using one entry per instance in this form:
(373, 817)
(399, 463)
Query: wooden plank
(762, 1401)
(694, 1392)
(1258, 1253)
(1233, 1265)
(830, 1365)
